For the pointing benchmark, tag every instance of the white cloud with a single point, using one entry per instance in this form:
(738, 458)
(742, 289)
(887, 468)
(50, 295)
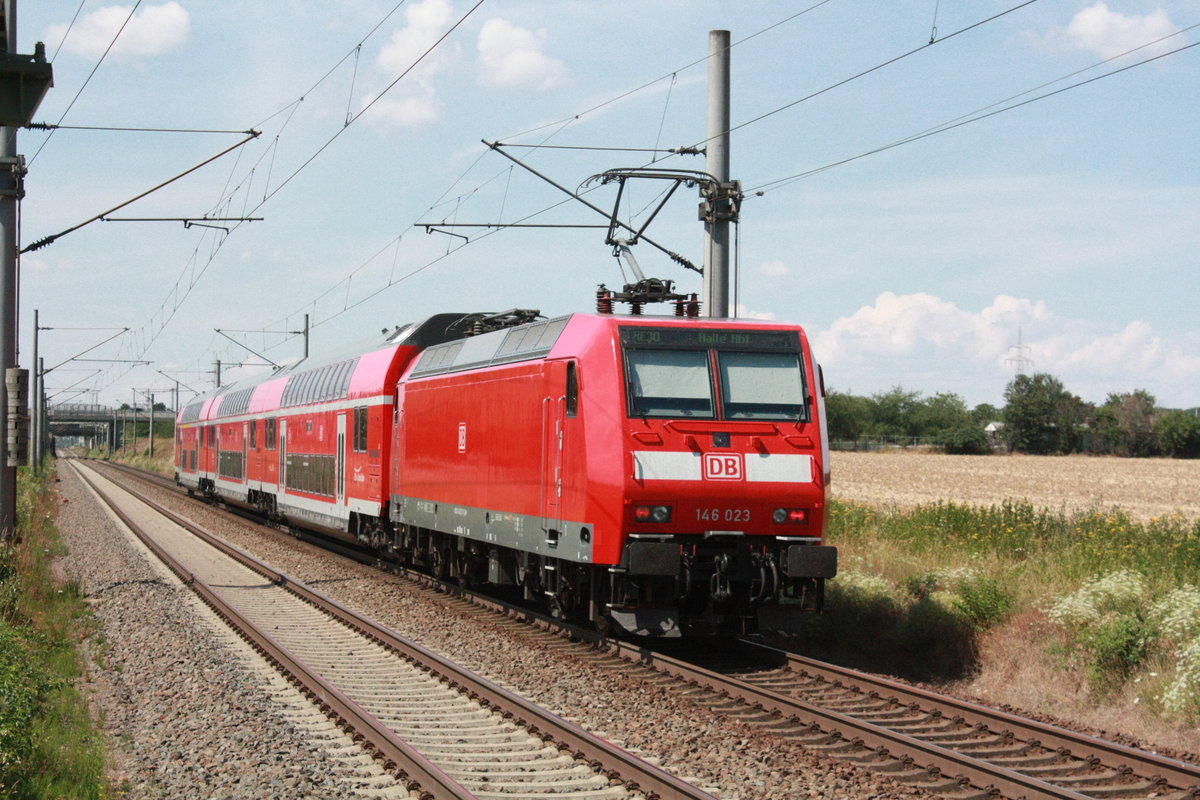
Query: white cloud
(1108, 33)
(925, 343)
(152, 31)
(427, 22)
(414, 101)
(510, 56)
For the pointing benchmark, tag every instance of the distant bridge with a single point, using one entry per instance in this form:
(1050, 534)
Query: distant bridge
(104, 425)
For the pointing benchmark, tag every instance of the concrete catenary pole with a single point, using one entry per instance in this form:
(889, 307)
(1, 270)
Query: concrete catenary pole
(10, 181)
(35, 422)
(716, 225)
(43, 430)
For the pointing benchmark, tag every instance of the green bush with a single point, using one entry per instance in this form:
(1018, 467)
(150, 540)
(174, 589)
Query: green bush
(984, 601)
(23, 689)
(1179, 434)
(964, 440)
(49, 747)
(1116, 647)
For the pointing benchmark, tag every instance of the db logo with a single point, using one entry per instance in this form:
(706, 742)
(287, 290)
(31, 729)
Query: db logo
(722, 466)
(462, 437)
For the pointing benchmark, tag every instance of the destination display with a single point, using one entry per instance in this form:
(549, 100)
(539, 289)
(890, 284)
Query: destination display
(720, 339)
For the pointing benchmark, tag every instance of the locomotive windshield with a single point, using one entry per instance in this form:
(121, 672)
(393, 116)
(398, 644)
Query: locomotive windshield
(670, 383)
(673, 372)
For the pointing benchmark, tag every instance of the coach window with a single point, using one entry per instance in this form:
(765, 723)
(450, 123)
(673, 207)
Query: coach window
(325, 391)
(254, 433)
(269, 433)
(360, 429)
(572, 390)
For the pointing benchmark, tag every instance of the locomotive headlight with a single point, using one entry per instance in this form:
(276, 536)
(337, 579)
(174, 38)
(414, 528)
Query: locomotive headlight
(791, 516)
(652, 513)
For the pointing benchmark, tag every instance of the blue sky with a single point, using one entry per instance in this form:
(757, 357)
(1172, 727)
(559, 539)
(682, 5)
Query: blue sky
(1069, 221)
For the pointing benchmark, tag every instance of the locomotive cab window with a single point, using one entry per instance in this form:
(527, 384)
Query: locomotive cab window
(762, 386)
(701, 373)
(669, 383)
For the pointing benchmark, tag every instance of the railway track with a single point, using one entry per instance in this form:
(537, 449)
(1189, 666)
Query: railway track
(448, 733)
(944, 745)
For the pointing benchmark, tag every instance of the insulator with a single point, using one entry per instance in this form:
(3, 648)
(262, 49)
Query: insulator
(693, 308)
(635, 308)
(604, 301)
(679, 308)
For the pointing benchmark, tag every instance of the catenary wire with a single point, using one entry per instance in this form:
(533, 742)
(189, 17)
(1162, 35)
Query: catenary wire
(292, 107)
(45, 126)
(870, 70)
(87, 80)
(672, 73)
(67, 32)
(982, 114)
(146, 345)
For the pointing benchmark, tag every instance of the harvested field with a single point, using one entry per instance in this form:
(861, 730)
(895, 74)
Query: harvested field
(1142, 487)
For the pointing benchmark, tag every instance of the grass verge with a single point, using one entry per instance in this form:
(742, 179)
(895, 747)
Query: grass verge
(1107, 602)
(49, 745)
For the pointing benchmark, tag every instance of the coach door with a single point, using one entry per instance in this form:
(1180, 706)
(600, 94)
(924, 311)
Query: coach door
(340, 460)
(282, 456)
(553, 413)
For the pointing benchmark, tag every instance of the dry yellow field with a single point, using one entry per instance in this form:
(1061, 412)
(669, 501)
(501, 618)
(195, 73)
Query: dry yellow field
(1143, 487)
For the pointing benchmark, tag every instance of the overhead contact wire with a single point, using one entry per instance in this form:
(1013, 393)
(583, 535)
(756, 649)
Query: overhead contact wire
(650, 83)
(871, 70)
(375, 100)
(88, 80)
(975, 116)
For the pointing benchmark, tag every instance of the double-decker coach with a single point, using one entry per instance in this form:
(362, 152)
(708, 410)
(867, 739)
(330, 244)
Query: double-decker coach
(308, 443)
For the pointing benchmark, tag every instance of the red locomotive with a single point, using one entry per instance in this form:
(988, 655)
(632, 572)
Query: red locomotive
(662, 475)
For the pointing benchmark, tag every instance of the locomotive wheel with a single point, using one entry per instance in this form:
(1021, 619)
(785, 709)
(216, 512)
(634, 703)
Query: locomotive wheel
(463, 575)
(438, 565)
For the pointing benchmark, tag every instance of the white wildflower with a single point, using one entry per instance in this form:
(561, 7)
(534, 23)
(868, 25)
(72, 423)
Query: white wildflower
(1099, 596)
(864, 585)
(1182, 694)
(948, 577)
(1178, 614)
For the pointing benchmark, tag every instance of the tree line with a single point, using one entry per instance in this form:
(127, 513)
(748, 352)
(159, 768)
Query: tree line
(1039, 416)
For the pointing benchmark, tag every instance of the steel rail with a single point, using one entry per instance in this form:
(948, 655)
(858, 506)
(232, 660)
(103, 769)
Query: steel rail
(1116, 756)
(947, 762)
(418, 772)
(617, 764)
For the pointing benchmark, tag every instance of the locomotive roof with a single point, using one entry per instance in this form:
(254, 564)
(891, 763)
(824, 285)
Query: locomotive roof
(536, 339)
